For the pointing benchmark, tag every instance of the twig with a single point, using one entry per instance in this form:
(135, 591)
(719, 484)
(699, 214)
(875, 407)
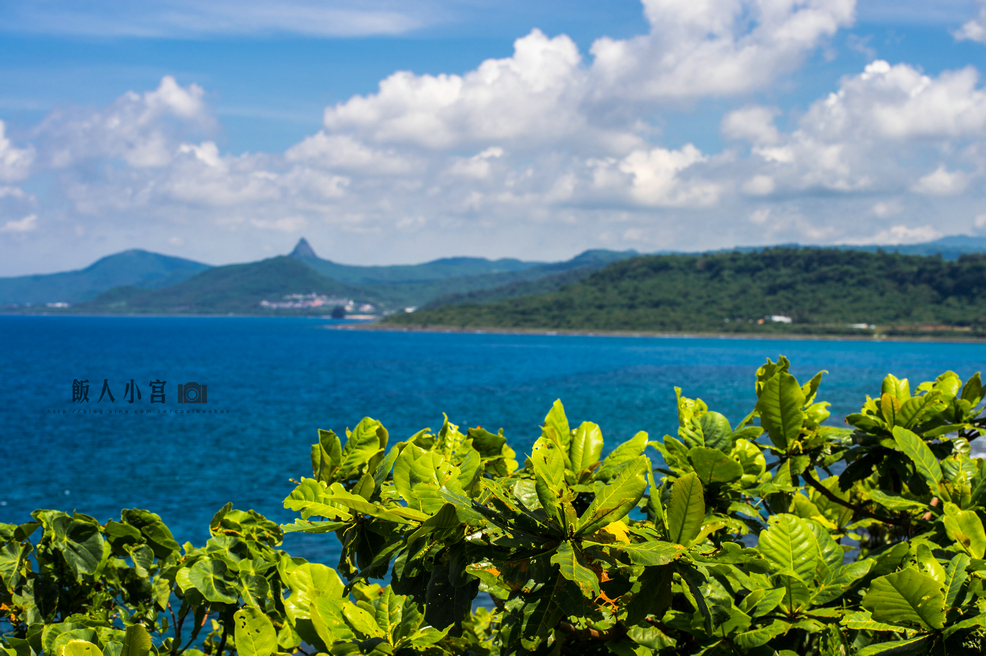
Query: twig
(831, 496)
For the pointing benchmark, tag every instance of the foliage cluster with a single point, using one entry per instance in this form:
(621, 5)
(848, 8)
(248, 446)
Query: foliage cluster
(778, 535)
(724, 292)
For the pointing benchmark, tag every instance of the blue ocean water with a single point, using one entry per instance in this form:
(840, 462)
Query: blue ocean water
(271, 383)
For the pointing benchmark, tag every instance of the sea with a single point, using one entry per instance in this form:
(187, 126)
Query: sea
(91, 419)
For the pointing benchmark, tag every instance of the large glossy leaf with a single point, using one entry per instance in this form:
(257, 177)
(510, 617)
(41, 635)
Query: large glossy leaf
(918, 451)
(210, 578)
(615, 500)
(781, 410)
(790, 544)
(650, 554)
(549, 478)
(910, 647)
(80, 543)
(326, 616)
(955, 577)
(686, 510)
(80, 648)
(586, 447)
(965, 527)
(136, 642)
(254, 633)
(572, 569)
(309, 582)
(620, 456)
(714, 466)
(760, 636)
(906, 596)
(716, 431)
(557, 420)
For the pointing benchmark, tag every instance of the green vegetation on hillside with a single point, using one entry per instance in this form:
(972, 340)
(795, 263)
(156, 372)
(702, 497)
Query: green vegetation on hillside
(819, 289)
(237, 289)
(421, 284)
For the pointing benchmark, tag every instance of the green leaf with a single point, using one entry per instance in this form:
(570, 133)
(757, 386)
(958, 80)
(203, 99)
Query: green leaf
(955, 576)
(573, 570)
(557, 420)
(714, 466)
(326, 456)
(914, 409)
(209, 578)
(137, 641)
(617, 499)
(790, 544)
(586, 447)
(906, 596)
(686, 511)
(620, 456)
(80, 648)
(254, 633)
(308, 583)
(761, 636)
(716, 431)
(965, 527)
(918, 451)
(781, 411)
(910, 647)
(649, 554)
(549, 477)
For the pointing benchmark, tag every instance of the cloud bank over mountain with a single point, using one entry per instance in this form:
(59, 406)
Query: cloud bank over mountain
(539, 155)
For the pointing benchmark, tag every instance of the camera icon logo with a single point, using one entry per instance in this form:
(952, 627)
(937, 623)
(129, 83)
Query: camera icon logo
(192, 393)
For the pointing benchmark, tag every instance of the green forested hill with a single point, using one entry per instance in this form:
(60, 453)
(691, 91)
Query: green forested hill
(134, 267)
(236, 288)
(820, 289)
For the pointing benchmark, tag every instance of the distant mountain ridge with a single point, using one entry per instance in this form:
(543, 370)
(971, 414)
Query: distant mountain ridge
(134, 267)
(445, 281)
(230, 289)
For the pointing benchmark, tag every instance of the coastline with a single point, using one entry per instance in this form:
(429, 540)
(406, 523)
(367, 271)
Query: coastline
(640, 334)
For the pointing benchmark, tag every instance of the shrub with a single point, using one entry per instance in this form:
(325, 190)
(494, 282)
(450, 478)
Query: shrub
(779, 535)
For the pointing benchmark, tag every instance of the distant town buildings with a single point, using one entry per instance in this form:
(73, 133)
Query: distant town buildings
(303, 301)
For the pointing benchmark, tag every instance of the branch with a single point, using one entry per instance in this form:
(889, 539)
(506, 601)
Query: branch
(831, 496)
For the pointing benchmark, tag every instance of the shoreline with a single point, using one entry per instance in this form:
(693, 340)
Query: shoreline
(639, 334)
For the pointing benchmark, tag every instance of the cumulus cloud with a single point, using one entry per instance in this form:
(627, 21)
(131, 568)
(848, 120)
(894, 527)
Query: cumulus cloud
(699, 48)
(942, 182)
(143, 130)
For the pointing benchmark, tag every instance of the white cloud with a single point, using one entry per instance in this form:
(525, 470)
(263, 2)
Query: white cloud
(702, 48)
(942, 182)
(344, 152)
(653, 178)
(27, 224)
(902, 234)
(754, 124)
(975, 28)
(15, 163)
(900, 103)
(143, 130)
(527, 99)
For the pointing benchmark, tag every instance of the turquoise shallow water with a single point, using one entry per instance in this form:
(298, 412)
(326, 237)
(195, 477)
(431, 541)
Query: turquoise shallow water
(271, 383)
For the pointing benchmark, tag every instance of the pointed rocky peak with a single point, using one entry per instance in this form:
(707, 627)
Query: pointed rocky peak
(303, 250)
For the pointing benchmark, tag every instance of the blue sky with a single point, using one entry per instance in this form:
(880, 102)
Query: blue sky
(390, 132)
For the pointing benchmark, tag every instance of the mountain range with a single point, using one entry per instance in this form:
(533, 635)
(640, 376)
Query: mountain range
(138, 281)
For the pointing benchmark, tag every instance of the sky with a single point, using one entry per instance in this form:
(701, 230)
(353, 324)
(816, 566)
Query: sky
(400, 132)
